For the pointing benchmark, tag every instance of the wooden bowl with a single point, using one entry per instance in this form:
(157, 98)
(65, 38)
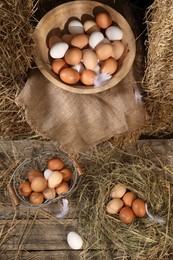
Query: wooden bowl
(57, 19)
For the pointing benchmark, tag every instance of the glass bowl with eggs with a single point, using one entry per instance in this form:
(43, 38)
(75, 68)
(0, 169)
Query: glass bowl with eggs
(45, 178)
(84, 47)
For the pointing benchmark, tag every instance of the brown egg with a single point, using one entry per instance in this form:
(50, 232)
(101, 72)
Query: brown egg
(117, 49)
(126, 215)
(34, 173)
(80, 40)
(73, 56)
(109, 65)
(90, 59)
(138, 207)
(114, 206)
(54, 179)
(103, 51)
(128, 198)
(103, 20)
(69, 76)
(53, 39)
(90, 26)
(66, 174)
(39, 184)
(118, 191)
(58, 65)
(87, 77)
(67, 38)
(25, 188)
(36, 198)
(49, 193)
(63, 187)
(55, 164)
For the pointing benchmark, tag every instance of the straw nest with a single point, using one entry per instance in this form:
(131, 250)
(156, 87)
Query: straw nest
(158, 79)
(150, 180)
(16, 53)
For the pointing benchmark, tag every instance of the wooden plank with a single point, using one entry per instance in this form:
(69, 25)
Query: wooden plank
(37, 234)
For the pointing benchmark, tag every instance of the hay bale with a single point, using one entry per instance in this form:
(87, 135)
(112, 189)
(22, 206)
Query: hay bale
(158, 79)
(16, 59)
(144, 238)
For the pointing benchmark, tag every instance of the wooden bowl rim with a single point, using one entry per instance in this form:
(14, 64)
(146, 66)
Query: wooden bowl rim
(91, 89)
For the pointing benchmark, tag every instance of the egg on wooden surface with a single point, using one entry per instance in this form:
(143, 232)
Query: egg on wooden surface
(114, 33)
(95, 38)
(63, 187)
(126, 215)
(74, 240)
(117, 49)
(55, 164)
(87, 77)
(114, 206)
(49, 193)
(90, 59)
(128, 198)
(138, 207)
(53, 39)
(66, 174)
(73, 56)
(36, 198)
(47, 173)
(25, 188)
(38, 184)
(90, 26)
(79, 67)
(58, 50)
(75, 27)
(118, 191)
(80, 41)
(58, 65)
(103, 20)
(109, 65)
(69, 76)
(34, 173)
(67, 38)
(103, 51)
(54, 179)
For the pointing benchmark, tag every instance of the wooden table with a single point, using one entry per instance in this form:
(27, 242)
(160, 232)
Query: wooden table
(36, 234)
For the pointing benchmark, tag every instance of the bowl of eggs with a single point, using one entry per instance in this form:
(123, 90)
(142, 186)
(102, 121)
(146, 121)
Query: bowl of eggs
(84, 47)
(44, 179)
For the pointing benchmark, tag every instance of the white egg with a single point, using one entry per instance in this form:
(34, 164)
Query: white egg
(95, 38)
(74, 240)
(79, 67)
(75, 27)
(47, 173)
(114, 33)
(58, 50)
(97, 69)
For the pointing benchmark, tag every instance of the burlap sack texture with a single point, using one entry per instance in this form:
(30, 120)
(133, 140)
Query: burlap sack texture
(80, 121)
(77, 122)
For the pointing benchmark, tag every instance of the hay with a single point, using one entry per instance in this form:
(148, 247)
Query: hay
(17, 19)
(158, 79)
(150, 180)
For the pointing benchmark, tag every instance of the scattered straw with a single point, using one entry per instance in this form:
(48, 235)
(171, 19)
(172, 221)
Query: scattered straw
(148, 179)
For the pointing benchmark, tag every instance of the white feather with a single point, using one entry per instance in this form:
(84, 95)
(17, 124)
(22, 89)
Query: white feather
(101, 79)
(63, 211)
(153, 217)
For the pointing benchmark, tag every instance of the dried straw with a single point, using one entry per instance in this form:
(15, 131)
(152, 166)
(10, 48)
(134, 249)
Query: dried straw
(148, 179)
(16, 58)
(158, 80)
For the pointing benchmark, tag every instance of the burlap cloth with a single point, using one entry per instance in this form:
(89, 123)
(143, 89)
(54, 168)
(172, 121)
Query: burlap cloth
(79, 121)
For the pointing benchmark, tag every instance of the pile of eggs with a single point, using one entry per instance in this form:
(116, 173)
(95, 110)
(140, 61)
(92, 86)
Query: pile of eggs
(87, 50)
(126, 204)
(53, 181)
